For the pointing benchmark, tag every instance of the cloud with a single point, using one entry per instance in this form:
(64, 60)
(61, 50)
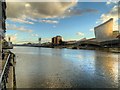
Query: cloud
(113, 13)
(38, 9)
(80, 33)
(92, 30)
(20, 20)
(111, 2)
(80, 11)
(43, 40)
(49, 21)
(35, 35)
(30, 12)
(108, 2)
(18, 28)
(12, 37)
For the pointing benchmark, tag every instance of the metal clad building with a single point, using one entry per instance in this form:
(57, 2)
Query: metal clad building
(104, 31)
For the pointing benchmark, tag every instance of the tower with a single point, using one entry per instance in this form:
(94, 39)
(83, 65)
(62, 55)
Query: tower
(39, 40)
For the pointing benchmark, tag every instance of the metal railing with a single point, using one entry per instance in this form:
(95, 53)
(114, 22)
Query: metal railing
(4, 74)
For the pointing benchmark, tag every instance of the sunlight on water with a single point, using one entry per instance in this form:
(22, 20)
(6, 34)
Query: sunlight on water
(57, 68)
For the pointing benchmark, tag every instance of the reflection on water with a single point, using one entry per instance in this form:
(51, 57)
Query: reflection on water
(63, 68)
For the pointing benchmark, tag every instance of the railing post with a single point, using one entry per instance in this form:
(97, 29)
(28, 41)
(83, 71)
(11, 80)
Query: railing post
(4, 75)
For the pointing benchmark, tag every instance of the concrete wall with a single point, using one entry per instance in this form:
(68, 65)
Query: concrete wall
(0, 18)
(104, 31)
(0, 29)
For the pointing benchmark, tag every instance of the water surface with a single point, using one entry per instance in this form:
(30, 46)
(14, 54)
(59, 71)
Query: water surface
(65, 68)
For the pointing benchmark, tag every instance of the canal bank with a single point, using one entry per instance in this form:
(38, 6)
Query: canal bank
(114, 50)
(107, 49)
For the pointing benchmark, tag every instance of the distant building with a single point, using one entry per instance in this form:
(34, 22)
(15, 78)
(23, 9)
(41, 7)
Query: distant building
(39, 40)
(56, 40)
(115, 34)
(70, 42)
(104, 31)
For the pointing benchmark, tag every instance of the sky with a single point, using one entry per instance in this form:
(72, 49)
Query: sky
(28, 21)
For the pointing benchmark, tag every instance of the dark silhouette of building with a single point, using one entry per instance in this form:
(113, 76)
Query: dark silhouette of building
(54, 40)
(57, 40)
(2, 18)
(2, 21)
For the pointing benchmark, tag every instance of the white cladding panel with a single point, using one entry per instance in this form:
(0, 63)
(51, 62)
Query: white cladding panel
(105, 31)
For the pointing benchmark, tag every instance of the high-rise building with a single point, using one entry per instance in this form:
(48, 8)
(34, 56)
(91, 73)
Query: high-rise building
(56, 40)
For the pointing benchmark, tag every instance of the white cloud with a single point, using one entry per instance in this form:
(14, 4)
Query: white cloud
(92, 30)
(43, 40)
(111, 2)
(35, 35)
(111, 14)
(49, 21)
(108, 2)
(74, 12)
(12, 37)
(18, 28)
(20, 20)
(80, 33)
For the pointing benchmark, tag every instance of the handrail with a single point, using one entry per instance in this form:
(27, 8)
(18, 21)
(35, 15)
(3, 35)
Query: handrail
(3, 71)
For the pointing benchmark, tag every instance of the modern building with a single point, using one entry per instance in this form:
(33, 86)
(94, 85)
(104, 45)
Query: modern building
(104, 31)
(115, 34)
(56, 40)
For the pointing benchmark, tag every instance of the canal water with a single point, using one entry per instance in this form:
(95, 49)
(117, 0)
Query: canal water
(65, 68)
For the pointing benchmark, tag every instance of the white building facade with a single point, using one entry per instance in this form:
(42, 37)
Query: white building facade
(104, 31)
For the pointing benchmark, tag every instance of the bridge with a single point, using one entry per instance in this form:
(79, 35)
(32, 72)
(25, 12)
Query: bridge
(111, 43)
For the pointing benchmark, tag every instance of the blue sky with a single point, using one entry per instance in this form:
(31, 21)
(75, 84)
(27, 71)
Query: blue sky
(75, 22)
